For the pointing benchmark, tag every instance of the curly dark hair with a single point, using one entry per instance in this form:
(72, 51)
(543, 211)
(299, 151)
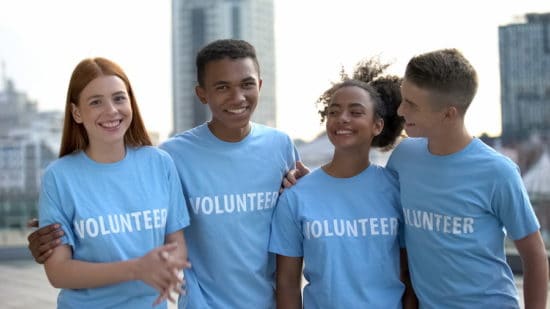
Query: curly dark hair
(385, 92)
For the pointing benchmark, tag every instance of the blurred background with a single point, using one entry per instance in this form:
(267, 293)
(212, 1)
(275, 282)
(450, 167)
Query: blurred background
(302, 47)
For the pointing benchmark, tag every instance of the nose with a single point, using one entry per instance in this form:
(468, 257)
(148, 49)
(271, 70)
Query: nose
(110, 107)
(237, 95)
(400, 109)
(344, 117)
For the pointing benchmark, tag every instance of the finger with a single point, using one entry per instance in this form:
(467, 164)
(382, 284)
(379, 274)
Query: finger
(287, 184)
(169, 295)
(304, 170)
(47, 245)
(46, 230)
(159, 299)
(291, 176)
(50, 237)
(42, 258)
(168, 247)
(32, 222)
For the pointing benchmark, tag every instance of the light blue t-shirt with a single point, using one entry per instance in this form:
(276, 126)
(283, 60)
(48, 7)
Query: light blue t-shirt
(456, 210)
(113, 212)
(347, 231)
(231, 191)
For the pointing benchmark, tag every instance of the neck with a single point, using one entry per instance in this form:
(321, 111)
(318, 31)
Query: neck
(450, 141)
(347, 163)
(231, 135)
(106, 153)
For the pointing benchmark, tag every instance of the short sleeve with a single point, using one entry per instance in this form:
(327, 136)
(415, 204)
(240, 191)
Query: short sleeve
(50, 208)
(286, 235)
(511, 204)
(178, 215)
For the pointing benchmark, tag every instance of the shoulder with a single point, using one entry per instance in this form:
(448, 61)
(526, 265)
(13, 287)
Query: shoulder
(407, 147)
(151, 152)
(384, 177)
(66, 161)
(184, 139)
(411, 144)
(488, 156)
(307, 182)
(63, 167)
(266, 131)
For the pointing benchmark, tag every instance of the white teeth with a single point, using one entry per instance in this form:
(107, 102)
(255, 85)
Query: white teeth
(237, 110)
(342, 132)
(110, 124)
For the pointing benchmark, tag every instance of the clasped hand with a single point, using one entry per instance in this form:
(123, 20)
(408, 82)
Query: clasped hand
(162, 268)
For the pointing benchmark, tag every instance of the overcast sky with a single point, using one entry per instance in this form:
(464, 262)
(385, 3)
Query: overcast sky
(42, 41)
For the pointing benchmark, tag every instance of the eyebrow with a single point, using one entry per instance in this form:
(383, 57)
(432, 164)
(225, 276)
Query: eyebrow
(352, 105)
(409, 101)
(96, 96)
(223, 82)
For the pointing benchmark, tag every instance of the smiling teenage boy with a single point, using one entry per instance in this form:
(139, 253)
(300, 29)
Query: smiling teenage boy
(231, 171)
(460, 198)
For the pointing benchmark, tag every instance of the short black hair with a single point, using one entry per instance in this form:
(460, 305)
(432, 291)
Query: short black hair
(221, 49)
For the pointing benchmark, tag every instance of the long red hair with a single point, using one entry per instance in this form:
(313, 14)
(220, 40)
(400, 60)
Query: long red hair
(74, 136)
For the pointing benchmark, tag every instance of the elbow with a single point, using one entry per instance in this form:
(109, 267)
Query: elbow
(55, 279)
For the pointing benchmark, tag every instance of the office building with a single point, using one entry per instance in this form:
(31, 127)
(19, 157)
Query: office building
(525, 77)
(198, 22)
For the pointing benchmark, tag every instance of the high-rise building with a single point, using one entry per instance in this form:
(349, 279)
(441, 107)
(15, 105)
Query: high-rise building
(198, 22)
(525, 77)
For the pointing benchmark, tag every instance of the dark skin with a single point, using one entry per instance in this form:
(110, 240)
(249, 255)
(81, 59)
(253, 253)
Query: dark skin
(43, 240)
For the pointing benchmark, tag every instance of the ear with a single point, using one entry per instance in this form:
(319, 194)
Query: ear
(451, 113)
(75, 111)
(378, 126)
(201, 94)
(260, 82)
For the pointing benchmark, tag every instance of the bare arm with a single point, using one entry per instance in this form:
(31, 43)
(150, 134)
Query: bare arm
(43, 240)
(409, 297)
(65, 272)
(289, 276)
(535, 270)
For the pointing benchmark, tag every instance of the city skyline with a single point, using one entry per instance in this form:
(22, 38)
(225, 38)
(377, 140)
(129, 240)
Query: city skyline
(41, 44)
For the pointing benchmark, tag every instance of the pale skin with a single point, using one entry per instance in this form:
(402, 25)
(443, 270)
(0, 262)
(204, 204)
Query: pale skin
(447, 134)
(105, 112)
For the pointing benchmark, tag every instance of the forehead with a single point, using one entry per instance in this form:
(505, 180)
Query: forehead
(413, 93)
(105, 84)
(350, 95)
(228, 69)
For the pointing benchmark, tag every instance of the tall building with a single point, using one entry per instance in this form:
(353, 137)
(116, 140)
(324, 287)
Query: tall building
(525, 77)
(16, 110)
(198, 22)
(29, 141)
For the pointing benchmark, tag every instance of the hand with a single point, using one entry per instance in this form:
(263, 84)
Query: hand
(161, 269)
(177, 289)
(43, 240)
(293, 175)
